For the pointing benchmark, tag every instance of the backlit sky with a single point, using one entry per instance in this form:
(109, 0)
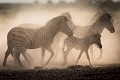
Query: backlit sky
(23, 1)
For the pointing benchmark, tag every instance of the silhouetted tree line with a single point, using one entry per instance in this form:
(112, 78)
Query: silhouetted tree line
(108, 4)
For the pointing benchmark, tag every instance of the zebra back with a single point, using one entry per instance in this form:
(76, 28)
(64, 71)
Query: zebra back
(36, 37)
(82, 43)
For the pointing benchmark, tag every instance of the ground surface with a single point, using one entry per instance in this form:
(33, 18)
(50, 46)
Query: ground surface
(70, 73)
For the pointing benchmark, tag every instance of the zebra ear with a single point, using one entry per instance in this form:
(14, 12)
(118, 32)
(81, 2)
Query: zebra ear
(65, 19)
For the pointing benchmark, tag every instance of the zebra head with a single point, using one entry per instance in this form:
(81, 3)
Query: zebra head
(108, 22)
(95, 39)
(64, 27)
(68, 15)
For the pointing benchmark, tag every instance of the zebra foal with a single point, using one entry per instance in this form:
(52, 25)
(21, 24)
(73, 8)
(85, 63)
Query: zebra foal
(82, 44)
(19, 39)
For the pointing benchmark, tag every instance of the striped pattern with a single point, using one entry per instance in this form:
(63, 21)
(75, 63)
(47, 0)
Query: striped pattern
(22, 38)
(80, 44)
(104, 21)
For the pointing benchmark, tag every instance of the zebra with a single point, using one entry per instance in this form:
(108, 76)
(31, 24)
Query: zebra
(103, 20)
(82, 44)
(19, 38)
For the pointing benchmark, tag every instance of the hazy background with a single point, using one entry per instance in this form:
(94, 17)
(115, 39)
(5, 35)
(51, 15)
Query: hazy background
(15, 12)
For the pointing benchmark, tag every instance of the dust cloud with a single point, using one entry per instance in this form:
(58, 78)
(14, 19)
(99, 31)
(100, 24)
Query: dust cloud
(37, 16)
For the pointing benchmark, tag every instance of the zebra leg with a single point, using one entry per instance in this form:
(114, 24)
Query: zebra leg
(26, 58)
(29, 56)
(17, 56)
(52, 54)
(25, 55)
(14, 56)
(86, 51)
(43, 54)
(65, 54)
(6, 55)
(101, 51)
(79, 56)
(9, 50)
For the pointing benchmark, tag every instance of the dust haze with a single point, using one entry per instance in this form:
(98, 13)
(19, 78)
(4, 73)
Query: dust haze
(35, 15)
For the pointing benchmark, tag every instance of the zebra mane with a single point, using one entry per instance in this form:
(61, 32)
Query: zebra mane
(99, 14)
(53, 21)
(101, 17)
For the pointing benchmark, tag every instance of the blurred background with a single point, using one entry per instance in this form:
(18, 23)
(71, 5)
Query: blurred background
(15, 12)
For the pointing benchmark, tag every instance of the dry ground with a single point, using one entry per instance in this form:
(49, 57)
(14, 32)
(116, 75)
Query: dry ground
(69, 73)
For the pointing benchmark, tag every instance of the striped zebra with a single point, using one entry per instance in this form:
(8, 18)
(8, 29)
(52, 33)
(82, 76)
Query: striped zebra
(82, 44)
(103, 20)
(20, 38)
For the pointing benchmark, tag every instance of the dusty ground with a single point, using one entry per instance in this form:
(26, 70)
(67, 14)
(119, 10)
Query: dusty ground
(72, 72)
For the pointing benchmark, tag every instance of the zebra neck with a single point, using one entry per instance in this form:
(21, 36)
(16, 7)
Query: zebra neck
(98, 27)
(54, 30)
(90, 40)
(55, 26)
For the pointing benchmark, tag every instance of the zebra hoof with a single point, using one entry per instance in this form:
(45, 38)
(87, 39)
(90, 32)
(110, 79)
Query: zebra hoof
(4, 65)
(91, 66)
(64, 64)
(43, 65)
(76, 63)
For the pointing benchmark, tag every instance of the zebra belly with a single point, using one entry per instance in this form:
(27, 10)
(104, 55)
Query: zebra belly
(34, 47)
(77, 47)
(22, 37)
(39, 44)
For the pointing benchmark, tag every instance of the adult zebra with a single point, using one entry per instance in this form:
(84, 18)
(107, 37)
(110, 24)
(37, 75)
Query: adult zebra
(19, 39)
(82, 44)
(103, 20)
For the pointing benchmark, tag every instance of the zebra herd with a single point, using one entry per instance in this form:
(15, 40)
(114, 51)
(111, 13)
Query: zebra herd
(20, 38)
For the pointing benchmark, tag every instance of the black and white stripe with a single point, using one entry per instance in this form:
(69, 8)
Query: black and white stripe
(82, 44)
(103, 21)
(21, 38)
